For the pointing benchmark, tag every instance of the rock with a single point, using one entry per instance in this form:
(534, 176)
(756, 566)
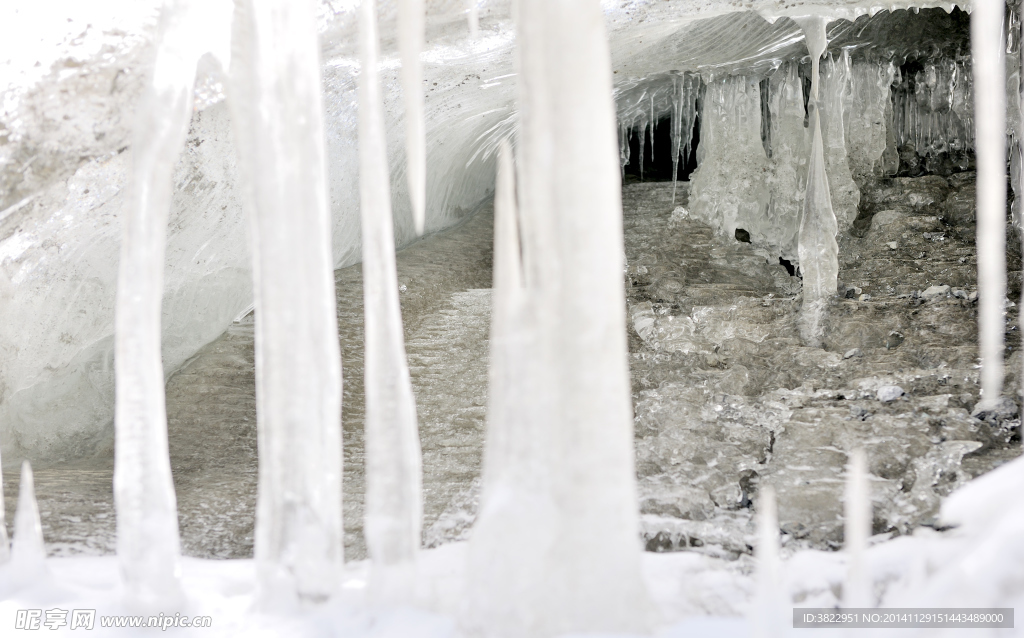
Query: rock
(889, 393)
(959, 209)
(973, 296)
(864, 298)
(893, 341)
(892, 245)
(885, 217)
(959, 294)
(853, 293)
(1001, 410)
(935, 292)
(853, 353)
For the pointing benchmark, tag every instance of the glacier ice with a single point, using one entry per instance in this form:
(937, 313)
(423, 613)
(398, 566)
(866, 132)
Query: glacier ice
(394, 507)
(279, 133)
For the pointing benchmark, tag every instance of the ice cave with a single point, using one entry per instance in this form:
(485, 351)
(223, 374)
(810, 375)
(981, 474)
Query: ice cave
(511, 318)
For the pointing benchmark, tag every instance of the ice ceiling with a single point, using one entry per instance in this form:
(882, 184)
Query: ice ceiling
(72, 87)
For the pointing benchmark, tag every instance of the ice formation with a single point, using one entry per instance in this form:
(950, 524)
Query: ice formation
(990, 149)
(394, 508)
(857, 528)
(28, 553)
(279, 133)
(410, 40)
(559, 504)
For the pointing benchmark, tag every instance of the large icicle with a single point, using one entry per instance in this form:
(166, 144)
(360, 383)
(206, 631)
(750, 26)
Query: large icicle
(857, 529)
(410, 44)
(866, 115)
(279, 132)
(817, 247)
(787, 180)
(394, 506)
(835, 91)
(729, 188)
(148, 545)
(28, 554)
(514, 528)
(990, 150)
(572, 247)
(5, 544)
(768, 617)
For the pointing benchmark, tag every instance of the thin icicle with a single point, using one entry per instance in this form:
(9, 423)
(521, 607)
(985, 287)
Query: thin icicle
(857, 529)
(410, 44)
(988, 52)
(817, 247)
(28, 553)
(654, 124)
(768, 618)
(5, 544)
(394, 506)
(277, 109)
(473, 15)
(148, 545)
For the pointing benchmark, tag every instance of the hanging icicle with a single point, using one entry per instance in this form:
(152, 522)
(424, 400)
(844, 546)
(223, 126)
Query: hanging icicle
(817, 247)
(410, 44)
(988, 55)
(394, 506)
(277, 108)
(148, 545)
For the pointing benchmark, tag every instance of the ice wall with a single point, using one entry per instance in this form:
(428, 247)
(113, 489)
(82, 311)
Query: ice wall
(729, 188)
(868, 116)
(836, 94)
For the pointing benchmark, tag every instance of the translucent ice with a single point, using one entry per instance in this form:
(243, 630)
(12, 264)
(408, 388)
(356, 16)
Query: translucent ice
(279, 132)
(148, 545)
(394, 506)
(867, 112)
(857, 529)
(768, 617)
(410, 43)
(28, 552)
(729, 190)
(990, 115)
(5, 545)
(787, 180)
(835, 94)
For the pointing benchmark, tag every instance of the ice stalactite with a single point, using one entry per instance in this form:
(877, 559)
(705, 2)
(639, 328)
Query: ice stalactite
(768, 617)
(789, 142)
(684, 112)
(857, 529)
(933, 112)
(816, 243)
(279, 132)
(729, 189)
(514, 529)
(410, 44)
(987, 53)
(28, 551)
(148, 545)
(473, 17)
(835, 93)
(394, 500)
(867, 111)
(5, 545)
(572, 247)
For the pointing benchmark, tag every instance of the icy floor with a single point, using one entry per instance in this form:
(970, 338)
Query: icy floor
(725, 396)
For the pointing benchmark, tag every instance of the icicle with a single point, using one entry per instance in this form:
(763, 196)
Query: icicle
(5, 545)
(676, 133)
(642, 135)
(277, 111)
(515, 526)
(572, 247)
(654, 124)
(769, 613)
(148, 544)
(28, 552)
(410, 43)
(835, 89)
(989, 118)
(394, 507)
(857, 529)
(788, 176)
(473, 15)
(865, 115)
(817, 247)
(729, 189)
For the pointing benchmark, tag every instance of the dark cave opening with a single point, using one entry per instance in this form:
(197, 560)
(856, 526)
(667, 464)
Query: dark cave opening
(657, 164)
